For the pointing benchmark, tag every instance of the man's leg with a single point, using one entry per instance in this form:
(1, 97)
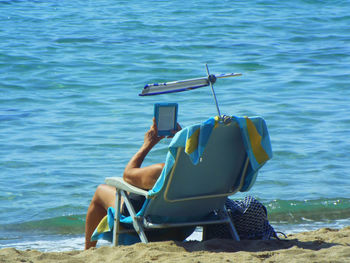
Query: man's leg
(103, 198)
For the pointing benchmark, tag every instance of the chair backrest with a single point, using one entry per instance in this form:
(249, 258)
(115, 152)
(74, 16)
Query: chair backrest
(194, 191)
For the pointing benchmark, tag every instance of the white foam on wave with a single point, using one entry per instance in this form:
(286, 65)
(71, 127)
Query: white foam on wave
(63, 243)
(310, 226)
(48, 243)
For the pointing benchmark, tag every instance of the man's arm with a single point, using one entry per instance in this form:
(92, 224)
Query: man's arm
(144, 177)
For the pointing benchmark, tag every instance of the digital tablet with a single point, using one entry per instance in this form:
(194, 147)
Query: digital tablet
(166, 118)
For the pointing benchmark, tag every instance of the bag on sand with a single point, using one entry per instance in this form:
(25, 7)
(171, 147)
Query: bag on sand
(250, 219)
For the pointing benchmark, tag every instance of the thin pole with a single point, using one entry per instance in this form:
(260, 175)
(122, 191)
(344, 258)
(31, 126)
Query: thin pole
(212, 90)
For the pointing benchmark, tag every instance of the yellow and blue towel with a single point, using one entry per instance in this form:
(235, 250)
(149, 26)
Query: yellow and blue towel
(195, 138)
(257, 145)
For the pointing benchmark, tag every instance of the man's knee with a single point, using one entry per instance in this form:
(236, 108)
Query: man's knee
(100, 188)
(104, 195)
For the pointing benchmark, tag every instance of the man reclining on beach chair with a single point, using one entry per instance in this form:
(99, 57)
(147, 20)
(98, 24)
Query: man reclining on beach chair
(191, 185)
(134, 174)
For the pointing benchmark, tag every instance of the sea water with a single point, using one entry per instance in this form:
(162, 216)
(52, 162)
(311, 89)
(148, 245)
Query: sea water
(70, 114)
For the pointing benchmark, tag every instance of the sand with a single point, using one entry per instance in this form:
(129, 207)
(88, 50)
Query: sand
(323, 245)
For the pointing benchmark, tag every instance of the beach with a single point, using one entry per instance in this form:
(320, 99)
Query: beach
(70, 115)
(323, 245)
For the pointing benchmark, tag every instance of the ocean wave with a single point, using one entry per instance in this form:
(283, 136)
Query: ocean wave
(297, 212)
(62, 225)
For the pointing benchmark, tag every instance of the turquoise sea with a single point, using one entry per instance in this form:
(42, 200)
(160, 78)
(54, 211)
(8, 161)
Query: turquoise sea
(70, 114)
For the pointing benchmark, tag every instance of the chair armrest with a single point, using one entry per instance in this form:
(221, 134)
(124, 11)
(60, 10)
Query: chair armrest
(119, 183)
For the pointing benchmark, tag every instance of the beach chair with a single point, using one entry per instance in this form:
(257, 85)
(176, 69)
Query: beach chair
(205, 164)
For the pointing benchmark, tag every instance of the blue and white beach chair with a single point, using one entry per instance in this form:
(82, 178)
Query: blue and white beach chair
(205, 164)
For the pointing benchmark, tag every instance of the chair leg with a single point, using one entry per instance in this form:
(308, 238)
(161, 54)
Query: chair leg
(116, 219)
(204, 233)
(141, 232)
(135, 221)
(232, 228)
